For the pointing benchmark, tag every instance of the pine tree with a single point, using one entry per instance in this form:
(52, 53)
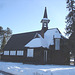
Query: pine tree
(8, 31)
(3, 42)
(4, 34)
(70, 27)
(2, 31)
(70, 19)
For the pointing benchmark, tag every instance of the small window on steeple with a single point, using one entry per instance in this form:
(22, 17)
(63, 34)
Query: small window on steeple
(44, 24)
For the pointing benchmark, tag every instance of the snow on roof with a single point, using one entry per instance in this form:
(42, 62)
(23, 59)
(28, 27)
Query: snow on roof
(50, 35)
(36, 42)
(57, 34)
(45, 42)
(45, 19)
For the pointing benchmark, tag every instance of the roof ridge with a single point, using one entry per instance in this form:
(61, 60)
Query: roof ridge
(27, 32)
(32, 31)
(52, 28)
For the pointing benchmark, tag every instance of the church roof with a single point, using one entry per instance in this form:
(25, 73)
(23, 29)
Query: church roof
(45, 42)
(18, 41)
(37, 42)
(34, 43)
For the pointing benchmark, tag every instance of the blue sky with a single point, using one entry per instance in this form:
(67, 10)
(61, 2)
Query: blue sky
(25, 15)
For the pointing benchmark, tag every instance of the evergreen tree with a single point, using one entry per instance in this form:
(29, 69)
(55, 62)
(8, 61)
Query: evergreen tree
(8, 31)
(70, 19)
(3, 42)
(4, 34)
(70, 27)
(2, 31)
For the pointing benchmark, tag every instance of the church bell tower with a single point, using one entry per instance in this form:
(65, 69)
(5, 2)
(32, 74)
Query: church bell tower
(45, 21)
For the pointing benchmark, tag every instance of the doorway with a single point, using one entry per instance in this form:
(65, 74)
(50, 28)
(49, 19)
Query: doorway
(45, 56)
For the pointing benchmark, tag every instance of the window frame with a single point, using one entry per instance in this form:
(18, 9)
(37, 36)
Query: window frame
(20, 54)
(30, 54)
(6, 54)
(57, 43)
(14, 53)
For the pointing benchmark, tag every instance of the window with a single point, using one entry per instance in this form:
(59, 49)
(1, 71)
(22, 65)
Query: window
(19, 52)
(30, 52)
(12, 52)
(6, 52)
(57, 44)
(44, 24)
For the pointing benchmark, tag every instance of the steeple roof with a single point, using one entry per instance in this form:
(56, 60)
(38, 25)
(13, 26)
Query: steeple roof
(45, 13)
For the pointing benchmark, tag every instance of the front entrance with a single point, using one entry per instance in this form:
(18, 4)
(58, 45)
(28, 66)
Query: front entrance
(45, 56)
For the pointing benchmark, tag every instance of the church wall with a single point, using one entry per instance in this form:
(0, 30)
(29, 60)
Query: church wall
(58, 57)
(12, 58)
(13, 55)
(38, 57)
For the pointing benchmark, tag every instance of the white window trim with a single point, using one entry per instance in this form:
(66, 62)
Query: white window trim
(20, 53)
(12, 52)
(6, 52)
(30, 52)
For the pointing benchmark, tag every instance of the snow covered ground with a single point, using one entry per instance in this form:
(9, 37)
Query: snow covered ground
(27, 69)
(1, 74)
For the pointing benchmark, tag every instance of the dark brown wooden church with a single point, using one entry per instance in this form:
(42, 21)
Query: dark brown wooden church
(46, 46)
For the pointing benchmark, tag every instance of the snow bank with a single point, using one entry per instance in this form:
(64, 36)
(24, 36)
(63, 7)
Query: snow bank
(22, 69)
(1, 74)
(64, 72)
(27, 69)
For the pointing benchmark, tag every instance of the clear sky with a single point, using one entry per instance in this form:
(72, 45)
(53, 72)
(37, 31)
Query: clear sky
(25, 15)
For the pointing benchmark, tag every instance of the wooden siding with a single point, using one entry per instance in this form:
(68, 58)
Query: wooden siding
(38, 57)
(58, 57)
(12, 58)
